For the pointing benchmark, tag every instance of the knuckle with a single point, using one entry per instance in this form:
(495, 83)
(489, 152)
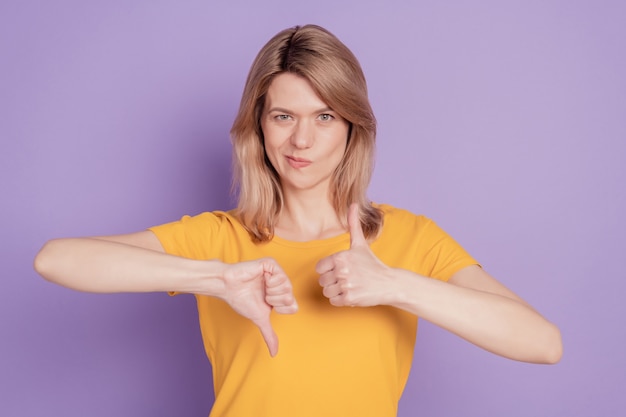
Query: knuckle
(326, 292)
(349, 299)
(326, 279)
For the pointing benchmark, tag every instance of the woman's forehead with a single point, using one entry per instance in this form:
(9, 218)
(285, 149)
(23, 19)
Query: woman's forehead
(289, 91)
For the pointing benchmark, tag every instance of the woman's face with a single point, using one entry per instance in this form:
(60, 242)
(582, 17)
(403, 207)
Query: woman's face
(304, 139)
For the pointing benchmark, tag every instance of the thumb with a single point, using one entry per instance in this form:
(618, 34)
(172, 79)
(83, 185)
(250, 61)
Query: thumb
(354, 223)
(271, 340)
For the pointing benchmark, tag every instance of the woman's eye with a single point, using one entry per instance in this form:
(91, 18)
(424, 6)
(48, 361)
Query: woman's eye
(326, 117)
(282, 117)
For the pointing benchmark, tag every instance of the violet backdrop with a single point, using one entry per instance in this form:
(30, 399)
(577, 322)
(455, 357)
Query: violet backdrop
(503, 121)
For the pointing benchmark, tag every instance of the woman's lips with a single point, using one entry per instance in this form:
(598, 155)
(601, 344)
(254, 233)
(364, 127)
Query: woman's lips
(297, 162)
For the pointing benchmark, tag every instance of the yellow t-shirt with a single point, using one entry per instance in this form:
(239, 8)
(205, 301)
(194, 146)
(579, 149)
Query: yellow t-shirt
(332, 361)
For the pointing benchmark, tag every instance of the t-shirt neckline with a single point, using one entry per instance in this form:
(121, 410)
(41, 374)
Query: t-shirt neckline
(340, 238)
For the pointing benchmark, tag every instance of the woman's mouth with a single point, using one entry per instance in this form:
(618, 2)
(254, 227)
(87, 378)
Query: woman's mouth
(295, 162)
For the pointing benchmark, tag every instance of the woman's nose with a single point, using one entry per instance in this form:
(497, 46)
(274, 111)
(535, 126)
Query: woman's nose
(302, 135)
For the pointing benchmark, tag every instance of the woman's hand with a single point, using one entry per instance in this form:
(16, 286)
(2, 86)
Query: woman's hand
(253, 289)
(355, 277)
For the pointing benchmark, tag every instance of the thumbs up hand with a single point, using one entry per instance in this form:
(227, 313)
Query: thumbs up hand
(355, 277)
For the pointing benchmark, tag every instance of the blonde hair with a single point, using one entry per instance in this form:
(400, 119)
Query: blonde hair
(335, 74)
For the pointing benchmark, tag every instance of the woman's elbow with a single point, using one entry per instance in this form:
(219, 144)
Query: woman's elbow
(553, 346)
(44, 260)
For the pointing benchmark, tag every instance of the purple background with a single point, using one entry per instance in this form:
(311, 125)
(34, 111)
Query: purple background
(504, 121)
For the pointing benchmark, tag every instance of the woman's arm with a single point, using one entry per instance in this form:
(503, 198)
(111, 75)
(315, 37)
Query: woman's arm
(134, 262)
(472, 304)
(137, 263)
(476, 307)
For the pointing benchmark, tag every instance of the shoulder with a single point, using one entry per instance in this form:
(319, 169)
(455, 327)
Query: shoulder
(403, 226)
(432, 252)
(394, 217)
(192, 235)
(203, 221)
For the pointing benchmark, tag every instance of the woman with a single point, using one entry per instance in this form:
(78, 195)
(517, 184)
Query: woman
(304, 242)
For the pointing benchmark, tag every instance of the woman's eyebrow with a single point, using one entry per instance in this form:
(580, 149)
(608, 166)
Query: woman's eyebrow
(283, 110)
(278, 109)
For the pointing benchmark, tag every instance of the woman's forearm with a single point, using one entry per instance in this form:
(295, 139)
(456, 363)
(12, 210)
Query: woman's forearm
(96, 265)
(494, 322)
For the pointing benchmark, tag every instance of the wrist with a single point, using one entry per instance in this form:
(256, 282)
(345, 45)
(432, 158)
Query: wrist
(206, 278)
(403, 288)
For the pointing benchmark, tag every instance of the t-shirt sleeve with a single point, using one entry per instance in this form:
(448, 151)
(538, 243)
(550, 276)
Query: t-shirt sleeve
(189, 237)
(417, 243)
(440, 253)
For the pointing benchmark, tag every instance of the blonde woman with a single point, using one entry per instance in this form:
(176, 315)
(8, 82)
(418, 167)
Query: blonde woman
(307, 257)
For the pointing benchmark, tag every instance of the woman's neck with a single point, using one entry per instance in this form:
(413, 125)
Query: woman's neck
(307, 218)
